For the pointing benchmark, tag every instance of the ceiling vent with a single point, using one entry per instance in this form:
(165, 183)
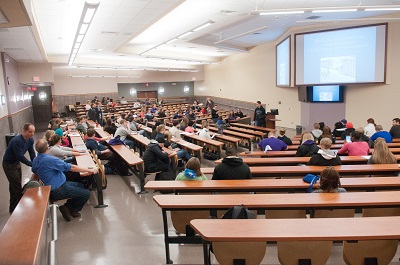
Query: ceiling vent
(313, 17)
(227, 12)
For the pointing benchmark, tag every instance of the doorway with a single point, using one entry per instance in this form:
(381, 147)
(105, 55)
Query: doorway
(41, 104)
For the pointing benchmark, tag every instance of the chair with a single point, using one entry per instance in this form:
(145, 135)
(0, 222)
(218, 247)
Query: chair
(369, 252)
(334, 213)
(181, 220)
(374, 212)
(230, 253)
(279, 214)
(304, 252)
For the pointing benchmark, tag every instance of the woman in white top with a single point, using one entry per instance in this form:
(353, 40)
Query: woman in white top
(204, 132)
(62, 152)
(369, 130)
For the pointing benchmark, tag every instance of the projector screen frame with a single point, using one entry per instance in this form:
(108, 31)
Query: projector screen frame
(386, 24)
(290, 61)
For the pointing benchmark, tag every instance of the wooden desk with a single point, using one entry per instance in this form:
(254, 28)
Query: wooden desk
(292, 161)
(310, 201)
(197, 150)
(24, 238)
(86, 160)
(279, 171)
(270, 153)
(263, 230)
(213, 143)
(255, 128)
(244, 137)
(270, 185)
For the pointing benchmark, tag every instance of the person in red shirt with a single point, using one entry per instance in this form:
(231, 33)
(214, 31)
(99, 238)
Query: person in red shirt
(356, 147)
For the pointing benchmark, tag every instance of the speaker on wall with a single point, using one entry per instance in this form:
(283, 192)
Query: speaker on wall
(302, 93)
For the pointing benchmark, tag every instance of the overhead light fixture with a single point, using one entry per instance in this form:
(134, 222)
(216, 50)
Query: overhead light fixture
(334, 10)
(42, 96)
(3, 100)
(186, 89)
(185, 34)
(170, 41)
(132, 91)
(203, 26)
(382, 9)
(242, 34)
(232, 48)
(86, 18)
(161, 90)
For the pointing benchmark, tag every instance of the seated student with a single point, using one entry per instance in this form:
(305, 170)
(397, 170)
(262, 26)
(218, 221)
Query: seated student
(154, 130)
(181, 153)
(54, 117)
(308, 147)
(174, 129)
(192, 171)
(220, 124)
(326, 133)
(204, 131)
(50, 170)
(382, 154)
(62, 152)
(79, 126)
(356, 147)
(325, 156)
(339, 129)
(348, 131)
(365, 138)
(184, 124)
(110, 126)
(122, 117)
(273, 143)
(123, 131)
(330, 181)
(232, 116)
(203, 111)
(369, 130)
(48, 135)
(380, 133)
(123, 101)
(137, 104)
(155, 159)
(61, 131)
(177, 115)
(136, 127)
(232, 167)
(214, 114)
(160, 131)
(190, 128)
(283, 137)
(191, 115)
(239, 113)
(395, 129)
(316, 132)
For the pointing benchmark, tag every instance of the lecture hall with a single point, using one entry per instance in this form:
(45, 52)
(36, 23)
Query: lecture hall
(199, 132)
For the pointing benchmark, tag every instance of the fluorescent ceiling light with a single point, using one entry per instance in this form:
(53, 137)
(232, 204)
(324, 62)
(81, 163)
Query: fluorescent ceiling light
(83, 29)
(203, 26)
(185, 34)
(79, 39)
(89, 14)
(240, 35)
(77, 45)
(170, 41)
(282, 12)
(334, 10)
(382, 9)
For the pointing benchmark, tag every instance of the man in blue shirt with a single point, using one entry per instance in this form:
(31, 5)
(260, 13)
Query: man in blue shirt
(273, 143)
(15, 153)
(50, 171)
(381, 133)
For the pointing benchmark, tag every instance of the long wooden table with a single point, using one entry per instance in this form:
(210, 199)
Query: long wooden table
(292, 161)
(279, 171)
(244, 137)
(24, 238)
(263, 230)
(288, 153)
(281, 201)
(86, 160)
(270, 185)
(255, 128)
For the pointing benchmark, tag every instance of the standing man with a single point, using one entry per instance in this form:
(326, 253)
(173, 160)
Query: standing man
(260, 115)
(99, 113)
(15, 153)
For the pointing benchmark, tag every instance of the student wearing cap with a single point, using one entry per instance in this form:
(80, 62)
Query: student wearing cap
(348, 131)
(260, 115)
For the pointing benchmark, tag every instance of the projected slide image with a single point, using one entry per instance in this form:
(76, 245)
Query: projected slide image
(325, 96)
(283, 74)
(339, 69)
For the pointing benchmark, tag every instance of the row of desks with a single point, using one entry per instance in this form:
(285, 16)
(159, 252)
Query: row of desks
(288, 153)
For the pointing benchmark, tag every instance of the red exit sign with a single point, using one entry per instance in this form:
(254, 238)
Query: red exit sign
(36, 79)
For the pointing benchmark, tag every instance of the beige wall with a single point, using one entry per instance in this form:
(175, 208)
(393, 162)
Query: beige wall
(251, 76)
(28, 70)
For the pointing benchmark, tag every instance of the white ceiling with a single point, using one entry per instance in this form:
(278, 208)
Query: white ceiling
(123, 29)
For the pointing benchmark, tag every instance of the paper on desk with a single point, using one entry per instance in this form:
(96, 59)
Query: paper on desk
(367, 157)
(73, 134)
(80, 148)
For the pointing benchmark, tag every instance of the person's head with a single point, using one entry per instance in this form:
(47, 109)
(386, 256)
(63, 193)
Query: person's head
(327, 131)
(396, 121)
(360, 130)
(130, 118)
(194, 164)
(258, 104)
(28, 131)
(168, 135)
(41, 146)
(378, 128)
(220, 118)
(190, 123)
(160, 129)
(325, 143)
(108, 122)
(321, 125)
(330, 179)
(239, 111)
(355, 136)
(48, 134)
(123, 123)
(271, 134)
(343, 121)
(160, 141)
(282, 131)
(185, 121)
(338, 125)
(175, 122)
(371, 120)
(307, 136)
(93, 105)
(231, 151)
(90, 132)
(123, 116)
(78, 119)
(84, 118)
(316, 126)
(54, 140)
(349, 125)
(382, 154)
(204, 124)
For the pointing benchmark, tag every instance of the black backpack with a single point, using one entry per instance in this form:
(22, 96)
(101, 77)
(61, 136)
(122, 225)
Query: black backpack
(239, 212)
